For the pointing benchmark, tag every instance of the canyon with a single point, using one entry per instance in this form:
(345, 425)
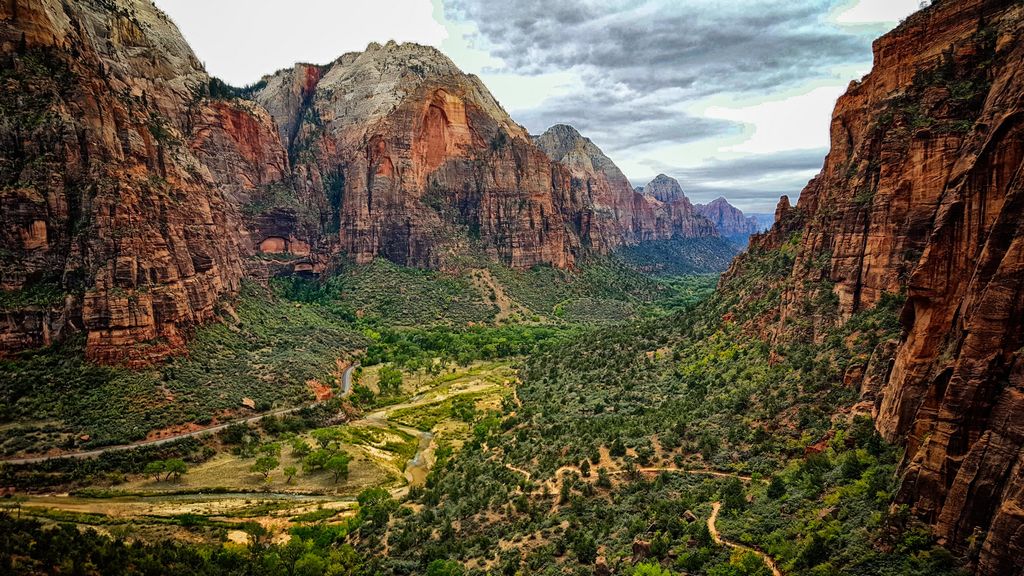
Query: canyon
(138, 191)
(138, 194)
(921, 194)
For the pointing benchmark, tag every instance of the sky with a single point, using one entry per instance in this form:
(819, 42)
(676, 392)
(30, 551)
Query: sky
(732, 98)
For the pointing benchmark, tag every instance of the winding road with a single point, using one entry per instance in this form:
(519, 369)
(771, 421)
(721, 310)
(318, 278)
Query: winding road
(716, 507)
(346, 389)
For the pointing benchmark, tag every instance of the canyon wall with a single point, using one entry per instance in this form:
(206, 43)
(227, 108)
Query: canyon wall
(729, 220)
(136, 192)
(921, 194)
(113, 223)
(422, 165)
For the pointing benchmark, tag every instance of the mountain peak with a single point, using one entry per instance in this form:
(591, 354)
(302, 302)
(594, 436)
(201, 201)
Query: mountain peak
(665, 189)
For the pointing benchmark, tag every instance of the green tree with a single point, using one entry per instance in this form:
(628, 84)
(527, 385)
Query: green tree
(585, 548)
(310, 564)
(257, 534)
(175, 467)
(777, 488)
(338, 465)
(154, 469)
(265, 465)
(300, 449)
(390, 380)
(289, 472)
(324, 436)
(445, 568)
(733, 499)
(650, 569)
(316, 460)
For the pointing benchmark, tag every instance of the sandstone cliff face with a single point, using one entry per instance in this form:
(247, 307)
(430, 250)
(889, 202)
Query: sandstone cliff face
(620, 214)
(418, 163)
(422, 165)
(922, 193)
(675, 209)
(136, 191)
(729, 220)
(117, 177)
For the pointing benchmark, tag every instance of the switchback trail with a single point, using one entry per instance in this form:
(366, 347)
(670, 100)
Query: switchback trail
(346, 384)
(716, 507)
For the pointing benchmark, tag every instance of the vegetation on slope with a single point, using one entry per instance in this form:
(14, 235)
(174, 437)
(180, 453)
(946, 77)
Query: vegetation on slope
(54, 398)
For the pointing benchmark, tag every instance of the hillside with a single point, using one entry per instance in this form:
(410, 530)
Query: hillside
(920, 196)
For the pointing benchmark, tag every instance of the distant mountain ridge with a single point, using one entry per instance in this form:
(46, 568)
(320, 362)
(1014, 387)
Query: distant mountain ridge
(729, 220)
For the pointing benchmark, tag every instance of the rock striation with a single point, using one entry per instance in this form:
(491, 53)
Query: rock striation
(105, 197)
(423, 163)
(923, 193)
(729, 220)
(626, 216)
(136, 192)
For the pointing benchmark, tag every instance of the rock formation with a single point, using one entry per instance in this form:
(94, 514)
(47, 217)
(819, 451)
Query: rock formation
(628, 216)
(729, 220)
(136, 191)
(104, 193)
(923, 193)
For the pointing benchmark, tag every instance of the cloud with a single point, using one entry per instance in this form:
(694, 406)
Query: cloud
(624, 123)
(685, 86)
(700, 46)
(752, 183)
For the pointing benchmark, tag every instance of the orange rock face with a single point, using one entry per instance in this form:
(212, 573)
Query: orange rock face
(422, 165)
(140, 189)
(729, 220)
(923, 192)
(128, 179)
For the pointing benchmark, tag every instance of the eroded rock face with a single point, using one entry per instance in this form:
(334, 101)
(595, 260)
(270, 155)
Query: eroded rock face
(137, 192)
(729, 220)
(422, 165)
(118, 179)
(923, 192)
(617, 214)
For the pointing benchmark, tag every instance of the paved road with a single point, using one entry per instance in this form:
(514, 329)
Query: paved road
(346, 389)
(715, 509)
(346, 380)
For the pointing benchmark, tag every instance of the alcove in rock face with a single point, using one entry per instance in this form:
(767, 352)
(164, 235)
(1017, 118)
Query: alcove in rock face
(274, 245)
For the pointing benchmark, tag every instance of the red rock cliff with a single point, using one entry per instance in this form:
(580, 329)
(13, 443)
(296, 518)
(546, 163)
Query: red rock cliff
(728, 219)
(422, 164)
(119, 181)
(135, 190)
(617, 214)
(923, 192)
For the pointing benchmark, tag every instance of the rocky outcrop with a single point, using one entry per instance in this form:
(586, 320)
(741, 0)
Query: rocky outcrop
(664, 189)
(422, 165)
(137, 192)
(729, 220)
(923, 193)
(120, 183)
(620, 215)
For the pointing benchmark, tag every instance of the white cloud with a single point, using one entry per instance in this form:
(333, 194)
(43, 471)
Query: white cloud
(871, 12)
(788, 122)
(241, 40)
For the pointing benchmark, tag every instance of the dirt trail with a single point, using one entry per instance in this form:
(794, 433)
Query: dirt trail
(346, 378)
(485, 283)
(716, 507)
(697, 471)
